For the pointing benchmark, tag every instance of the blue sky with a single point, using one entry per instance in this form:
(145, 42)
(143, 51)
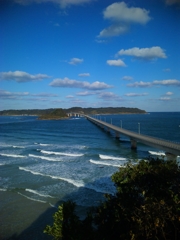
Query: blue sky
(90, 53)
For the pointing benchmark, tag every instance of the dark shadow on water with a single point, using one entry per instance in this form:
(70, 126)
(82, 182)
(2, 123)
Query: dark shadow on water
(35, 230)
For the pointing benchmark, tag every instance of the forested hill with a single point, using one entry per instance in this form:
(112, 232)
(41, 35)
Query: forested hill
(40, 112)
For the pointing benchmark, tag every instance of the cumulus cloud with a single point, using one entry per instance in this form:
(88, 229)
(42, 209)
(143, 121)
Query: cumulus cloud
(127, 78)
(68, 83)
(75, 61)
(117, 63)
(86, 93)
(169, 93)
(61, 3)
(136, 94)
(114, 30)
(144, 53)
(168, 82)
(108, 96)
(12, 95)
(122, 16)
(84, 75)
(140, 84)
(20, 76)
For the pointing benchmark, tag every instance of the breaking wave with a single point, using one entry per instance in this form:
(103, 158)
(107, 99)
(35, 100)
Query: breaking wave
(76, 183)
(45, 158)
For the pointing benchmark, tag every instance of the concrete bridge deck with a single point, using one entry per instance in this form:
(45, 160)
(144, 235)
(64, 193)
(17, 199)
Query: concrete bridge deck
(172, 149)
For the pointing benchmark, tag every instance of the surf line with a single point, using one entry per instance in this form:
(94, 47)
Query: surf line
(73, 182)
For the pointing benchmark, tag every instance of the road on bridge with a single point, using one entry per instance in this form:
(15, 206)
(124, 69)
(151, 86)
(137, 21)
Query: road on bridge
(167, 146)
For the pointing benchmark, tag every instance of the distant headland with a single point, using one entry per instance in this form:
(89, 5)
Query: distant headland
(60, 113)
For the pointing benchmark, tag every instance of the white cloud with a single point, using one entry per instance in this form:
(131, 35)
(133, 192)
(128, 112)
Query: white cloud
(75, 61)
(136, 94)
(167, 70)
(169, 93)
(171, 2)
(168, 82)
(109, 96)
(84, 75)
(86, 93)
(121, 12)
(20, 76)
(140, 84)
(114, 30)
(165, 98)
(144, 53)
(61, 3)
(117, 63)
(122, 17)
(12, 95)
(128, 78)
(68, 83)
(69, 96)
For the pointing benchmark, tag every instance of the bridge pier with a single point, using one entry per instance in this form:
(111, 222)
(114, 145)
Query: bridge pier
(170, 156)
(133, 144)
(117, 135)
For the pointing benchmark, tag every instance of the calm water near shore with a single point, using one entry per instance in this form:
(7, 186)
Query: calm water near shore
(43, 163)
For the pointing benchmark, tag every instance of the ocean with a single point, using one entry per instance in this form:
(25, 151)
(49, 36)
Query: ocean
(46, 162)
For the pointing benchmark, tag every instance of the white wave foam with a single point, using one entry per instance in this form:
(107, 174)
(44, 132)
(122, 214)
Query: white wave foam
(74, 182)
(157, 153)
(112, 157)
(2, 164)
(45, 158)
(36, 200)
(3, 189)
(18, 147)
(105, 163)
(43, 144)
(12, 155)
(62, 153)
(37, 193)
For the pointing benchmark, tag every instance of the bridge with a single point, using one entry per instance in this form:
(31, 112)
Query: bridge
(172, 150)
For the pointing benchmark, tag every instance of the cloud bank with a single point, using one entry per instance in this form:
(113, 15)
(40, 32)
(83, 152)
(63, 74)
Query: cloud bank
(168, 82)
(21, 77)
(68, 83)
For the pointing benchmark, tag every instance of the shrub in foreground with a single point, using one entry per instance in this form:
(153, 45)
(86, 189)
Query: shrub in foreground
(145, 206)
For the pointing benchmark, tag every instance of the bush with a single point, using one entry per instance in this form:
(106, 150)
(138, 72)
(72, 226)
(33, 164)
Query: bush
(145, 206)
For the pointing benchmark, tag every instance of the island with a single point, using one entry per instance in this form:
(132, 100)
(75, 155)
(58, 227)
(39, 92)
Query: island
(60, 113)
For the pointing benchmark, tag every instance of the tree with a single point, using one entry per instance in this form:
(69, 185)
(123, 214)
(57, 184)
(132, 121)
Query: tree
(145, 206)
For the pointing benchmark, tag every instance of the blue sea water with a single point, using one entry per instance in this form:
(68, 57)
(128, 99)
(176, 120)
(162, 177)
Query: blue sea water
(43, 163)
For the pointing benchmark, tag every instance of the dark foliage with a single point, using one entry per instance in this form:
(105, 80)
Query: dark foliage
(146, 206)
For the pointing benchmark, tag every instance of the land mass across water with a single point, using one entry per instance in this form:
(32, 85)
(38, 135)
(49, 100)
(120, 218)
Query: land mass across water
(60, 113)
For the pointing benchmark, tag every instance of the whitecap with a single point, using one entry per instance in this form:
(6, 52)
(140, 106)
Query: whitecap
(112, 157)
(12, 155)
(3, 189)
(76, 183)
(18, 147)
(45, 158)
(105, 163)
(36, 200)
(37, 193)
(157, 153)
(62, 153)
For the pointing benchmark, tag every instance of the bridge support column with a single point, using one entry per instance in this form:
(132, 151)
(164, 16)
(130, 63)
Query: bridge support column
(117, 135)
(170, 156)
(133, 144)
